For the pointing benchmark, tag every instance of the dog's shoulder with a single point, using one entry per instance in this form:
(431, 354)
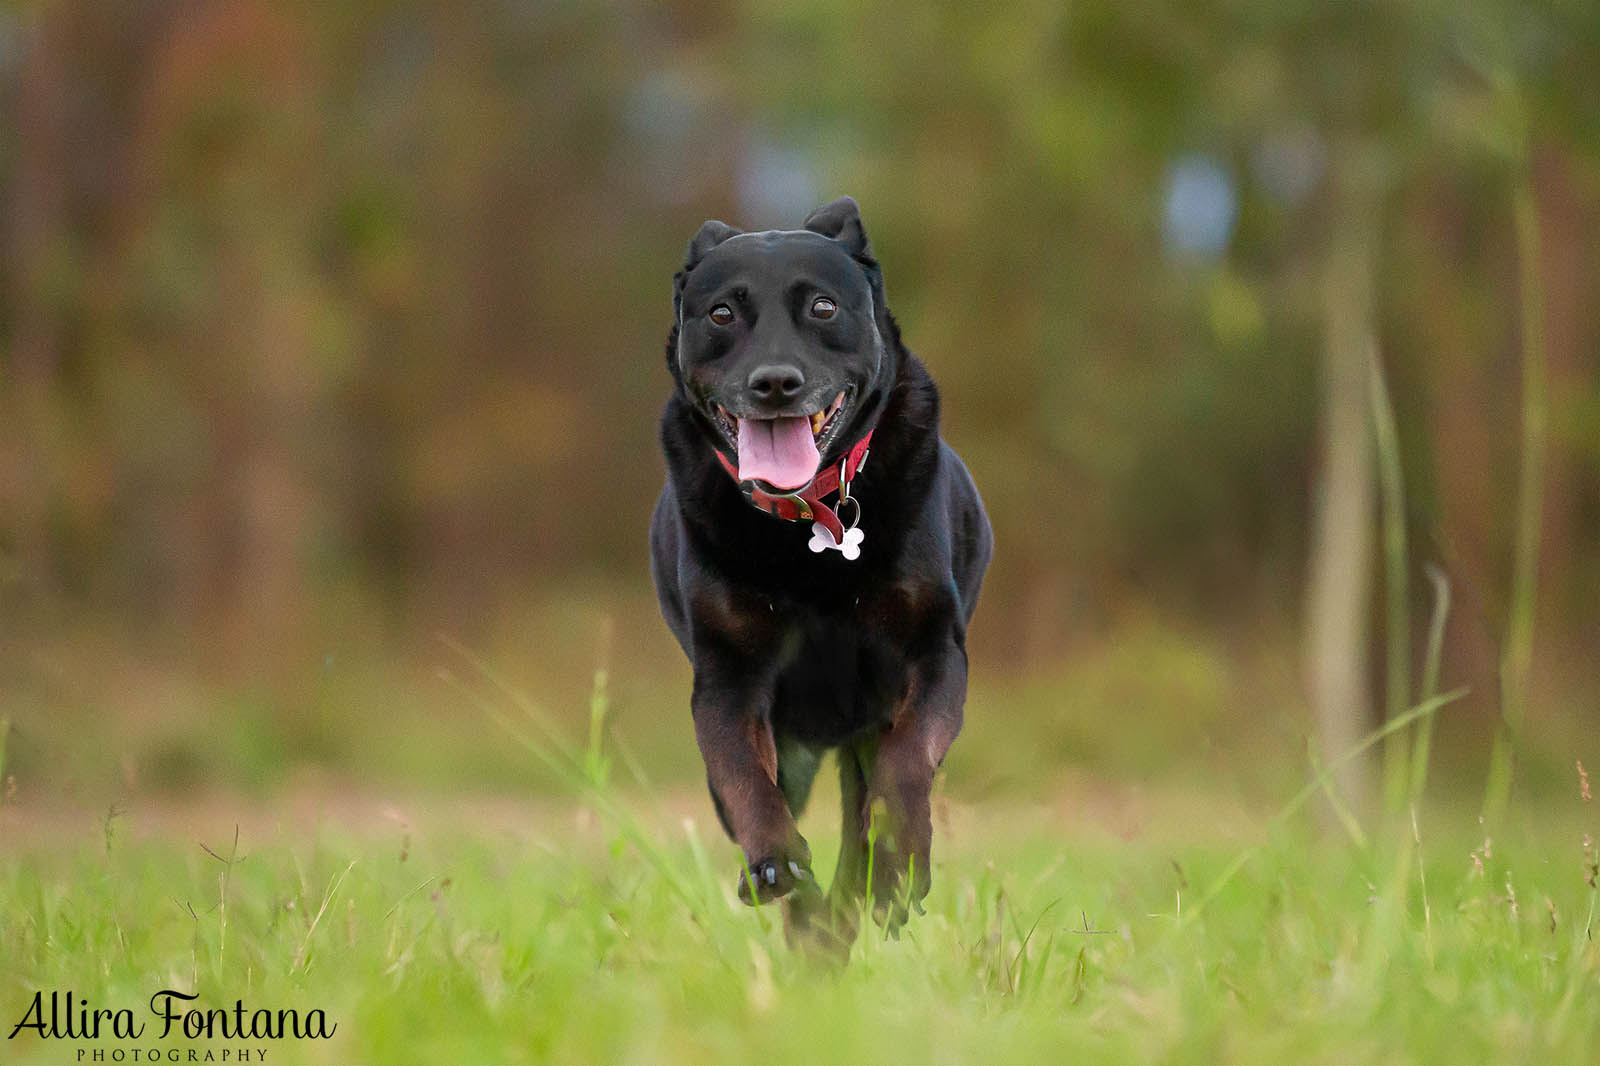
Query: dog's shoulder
(971, 535)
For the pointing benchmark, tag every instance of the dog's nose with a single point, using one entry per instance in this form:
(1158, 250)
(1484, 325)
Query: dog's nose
(776, 383)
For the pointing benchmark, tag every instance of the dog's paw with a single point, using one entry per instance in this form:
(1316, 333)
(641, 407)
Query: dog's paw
(892, 912)
(771, 879)
(815, 928)
(899, 885)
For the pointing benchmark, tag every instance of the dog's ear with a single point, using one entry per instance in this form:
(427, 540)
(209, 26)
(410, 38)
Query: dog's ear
(841, 220)
(711, 234)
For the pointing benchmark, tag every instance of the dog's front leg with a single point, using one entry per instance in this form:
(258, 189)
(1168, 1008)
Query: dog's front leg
(730, 723)
(908, 753)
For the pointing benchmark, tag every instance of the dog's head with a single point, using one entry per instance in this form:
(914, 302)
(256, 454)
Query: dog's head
(783, 347)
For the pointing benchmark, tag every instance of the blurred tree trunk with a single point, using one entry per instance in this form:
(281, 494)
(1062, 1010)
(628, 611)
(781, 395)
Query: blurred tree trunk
(34, 258)
(274, 502)
(1340, 580)
(1567, 223)
(1469, 407)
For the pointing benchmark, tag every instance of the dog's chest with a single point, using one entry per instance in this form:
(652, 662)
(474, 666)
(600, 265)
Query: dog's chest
(839, 675)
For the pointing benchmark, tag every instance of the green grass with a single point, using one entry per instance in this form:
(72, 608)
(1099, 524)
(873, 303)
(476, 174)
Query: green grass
(1162, 919)
(587, 936)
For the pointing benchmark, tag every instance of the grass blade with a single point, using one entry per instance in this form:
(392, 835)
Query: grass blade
(1319, 782)
(1397, 613)
(1517, 662)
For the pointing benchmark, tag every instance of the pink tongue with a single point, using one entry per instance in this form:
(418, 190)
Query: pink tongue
(779, 451)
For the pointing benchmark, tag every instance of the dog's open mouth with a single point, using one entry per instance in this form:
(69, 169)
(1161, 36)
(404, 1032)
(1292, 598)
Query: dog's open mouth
(783, 452)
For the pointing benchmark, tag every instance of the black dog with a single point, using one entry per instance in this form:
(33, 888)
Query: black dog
(813, 625)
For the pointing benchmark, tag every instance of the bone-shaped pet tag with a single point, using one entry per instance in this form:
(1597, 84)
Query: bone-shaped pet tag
(822, 540)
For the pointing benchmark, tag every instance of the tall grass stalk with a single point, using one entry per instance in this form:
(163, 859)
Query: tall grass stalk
(1516, 663)
(572, 767)
(1389, 911)
(1341, 810)
(1397, 613)
(596, 763)
(1404, 763)
(1423, 744)
(1391, 905)
(1319, 782)
(303, 956)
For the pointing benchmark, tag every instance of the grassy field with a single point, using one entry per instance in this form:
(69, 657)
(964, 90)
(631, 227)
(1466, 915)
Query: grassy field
(1099, 926)
(1179, 916)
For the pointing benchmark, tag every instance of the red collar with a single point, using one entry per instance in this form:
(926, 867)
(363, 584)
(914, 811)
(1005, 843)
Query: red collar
(805, 503)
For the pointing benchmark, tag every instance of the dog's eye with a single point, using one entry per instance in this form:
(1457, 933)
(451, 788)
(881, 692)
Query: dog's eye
(822, 307)
(722, 314)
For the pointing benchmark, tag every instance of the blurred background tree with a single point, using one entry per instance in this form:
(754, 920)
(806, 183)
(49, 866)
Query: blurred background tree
(324, 328)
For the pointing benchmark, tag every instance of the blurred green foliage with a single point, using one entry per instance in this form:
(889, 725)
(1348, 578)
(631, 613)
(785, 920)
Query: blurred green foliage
(327, 326)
